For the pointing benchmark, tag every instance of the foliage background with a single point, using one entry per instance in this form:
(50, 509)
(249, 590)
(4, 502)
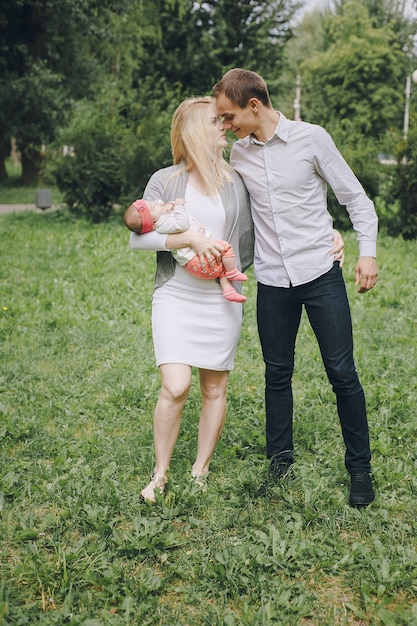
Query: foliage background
(131, 64)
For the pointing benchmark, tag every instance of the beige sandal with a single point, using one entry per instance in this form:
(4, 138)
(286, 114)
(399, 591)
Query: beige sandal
(157, 482)
(201, 480)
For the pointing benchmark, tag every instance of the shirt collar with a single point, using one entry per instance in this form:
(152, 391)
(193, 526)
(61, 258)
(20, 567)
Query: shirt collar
(281, 131)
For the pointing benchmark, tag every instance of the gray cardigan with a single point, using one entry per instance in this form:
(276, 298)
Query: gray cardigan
(164, 185)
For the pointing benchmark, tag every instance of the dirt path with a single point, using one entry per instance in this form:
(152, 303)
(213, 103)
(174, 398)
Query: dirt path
(14, 208)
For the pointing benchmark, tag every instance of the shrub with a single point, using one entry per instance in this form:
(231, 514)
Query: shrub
(87, 166)
(405, 190)
(361, 153)
(147, 149)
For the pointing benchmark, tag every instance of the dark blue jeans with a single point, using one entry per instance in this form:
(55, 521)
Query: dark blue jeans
(278, 313)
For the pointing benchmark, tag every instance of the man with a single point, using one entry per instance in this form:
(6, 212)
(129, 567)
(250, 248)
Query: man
(286, 166)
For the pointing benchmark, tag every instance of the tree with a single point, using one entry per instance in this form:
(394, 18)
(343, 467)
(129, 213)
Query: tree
(352, 82)
(164, 50)
(190, 44)
(405, 182)
(45, 64)
(358, 76)
(171, 49)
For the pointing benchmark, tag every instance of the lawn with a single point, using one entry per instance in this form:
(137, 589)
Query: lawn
(12, 191)
(78, 384)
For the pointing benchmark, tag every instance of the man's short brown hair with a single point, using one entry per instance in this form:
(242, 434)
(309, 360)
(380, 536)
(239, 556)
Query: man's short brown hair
(239, 86)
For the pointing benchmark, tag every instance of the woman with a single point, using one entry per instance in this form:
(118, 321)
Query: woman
(192, 324)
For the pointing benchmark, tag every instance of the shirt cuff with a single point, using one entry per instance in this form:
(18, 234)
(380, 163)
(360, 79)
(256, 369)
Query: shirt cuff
(367, 248)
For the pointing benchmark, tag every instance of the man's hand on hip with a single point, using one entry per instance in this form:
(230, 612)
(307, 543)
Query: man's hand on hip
(366, 273)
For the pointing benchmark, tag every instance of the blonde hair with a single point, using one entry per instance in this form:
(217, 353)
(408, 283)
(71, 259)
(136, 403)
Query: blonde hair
(192, 144)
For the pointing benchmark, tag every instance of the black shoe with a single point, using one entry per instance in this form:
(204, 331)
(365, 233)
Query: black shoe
(361, 490)
(277, 473)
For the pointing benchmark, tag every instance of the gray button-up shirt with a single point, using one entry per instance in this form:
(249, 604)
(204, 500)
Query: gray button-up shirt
(287, 181)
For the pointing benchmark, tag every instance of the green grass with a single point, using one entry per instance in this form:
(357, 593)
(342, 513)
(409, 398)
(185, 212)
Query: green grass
(13, 192)
(78, 386)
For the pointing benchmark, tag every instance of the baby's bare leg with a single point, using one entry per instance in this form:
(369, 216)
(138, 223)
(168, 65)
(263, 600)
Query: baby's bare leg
(229, 263)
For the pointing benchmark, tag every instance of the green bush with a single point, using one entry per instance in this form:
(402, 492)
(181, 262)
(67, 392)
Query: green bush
(405, 190)
(147, 149)
(361, 153)
(87, 164)
(107, 159)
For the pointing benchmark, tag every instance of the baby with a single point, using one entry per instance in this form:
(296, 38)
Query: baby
(172, 218)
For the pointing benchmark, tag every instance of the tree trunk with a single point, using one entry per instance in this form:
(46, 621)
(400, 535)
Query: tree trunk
(4, 152)
(31, 165)
(3, 172)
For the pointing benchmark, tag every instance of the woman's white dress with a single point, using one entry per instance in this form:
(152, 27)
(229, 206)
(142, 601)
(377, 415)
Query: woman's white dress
(192, 323)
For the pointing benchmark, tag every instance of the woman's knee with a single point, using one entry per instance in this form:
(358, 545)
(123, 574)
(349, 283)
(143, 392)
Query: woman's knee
(214, 385)
(175, 391)
(176, 383)
(213, 394)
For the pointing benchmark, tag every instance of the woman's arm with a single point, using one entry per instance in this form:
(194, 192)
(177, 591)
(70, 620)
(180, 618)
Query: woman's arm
(149, 241)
